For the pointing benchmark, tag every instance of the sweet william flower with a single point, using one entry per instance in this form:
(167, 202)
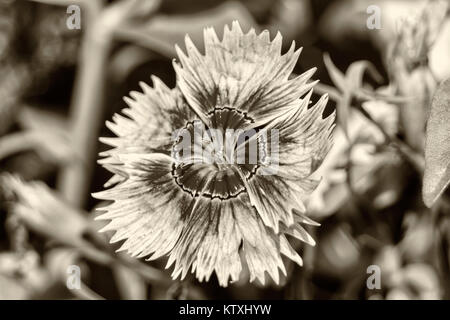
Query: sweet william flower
(215, 216)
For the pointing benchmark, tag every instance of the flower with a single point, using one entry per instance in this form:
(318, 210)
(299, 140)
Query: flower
(218, 215)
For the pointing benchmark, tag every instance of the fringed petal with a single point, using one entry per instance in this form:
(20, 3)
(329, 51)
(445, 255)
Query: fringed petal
(150, 121)
(243, 71)
(209, 242)
(146, 208)
(304, 139)
(149, 124)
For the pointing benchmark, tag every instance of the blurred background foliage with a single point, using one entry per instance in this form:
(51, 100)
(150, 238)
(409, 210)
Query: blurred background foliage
(58, 87)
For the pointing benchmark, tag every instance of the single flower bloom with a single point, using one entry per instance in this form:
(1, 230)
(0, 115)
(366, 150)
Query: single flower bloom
(211, 213)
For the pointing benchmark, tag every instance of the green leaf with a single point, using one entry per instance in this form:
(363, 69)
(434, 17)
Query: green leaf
(437, 146)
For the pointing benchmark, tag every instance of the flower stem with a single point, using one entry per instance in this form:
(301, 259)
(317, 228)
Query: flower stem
(87, 108)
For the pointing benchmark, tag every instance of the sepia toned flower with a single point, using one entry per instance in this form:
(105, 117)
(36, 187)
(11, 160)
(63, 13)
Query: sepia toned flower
(206, 211)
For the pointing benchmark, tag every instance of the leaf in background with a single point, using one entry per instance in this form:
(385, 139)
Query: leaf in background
(349, 84)
(44, 132)
(162, 32)
(336, 75)
(50, 146)
(42, 211)
(437, 146)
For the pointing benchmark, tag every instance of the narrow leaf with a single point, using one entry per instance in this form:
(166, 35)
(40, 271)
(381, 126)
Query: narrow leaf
(349, 84)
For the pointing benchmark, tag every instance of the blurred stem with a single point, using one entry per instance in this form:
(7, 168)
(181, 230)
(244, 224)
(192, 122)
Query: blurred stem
(87, 108)
(16, 142)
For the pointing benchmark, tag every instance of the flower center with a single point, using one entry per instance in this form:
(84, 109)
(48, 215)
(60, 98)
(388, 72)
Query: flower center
(212, 161)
